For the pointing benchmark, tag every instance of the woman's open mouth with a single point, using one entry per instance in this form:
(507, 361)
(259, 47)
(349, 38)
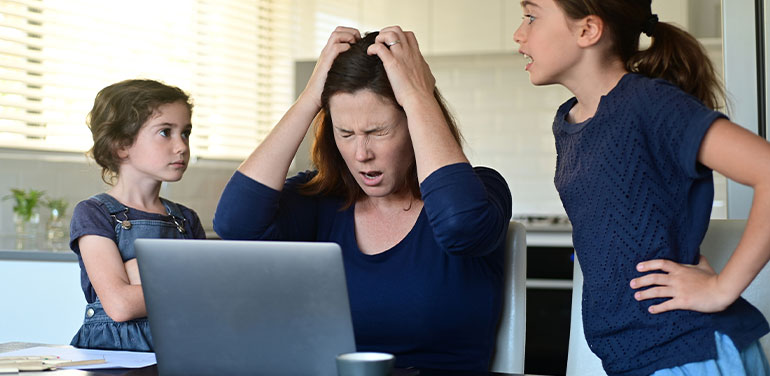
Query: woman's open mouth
(372, 177)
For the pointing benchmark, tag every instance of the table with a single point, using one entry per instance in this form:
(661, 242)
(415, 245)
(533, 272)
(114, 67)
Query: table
(153, 370)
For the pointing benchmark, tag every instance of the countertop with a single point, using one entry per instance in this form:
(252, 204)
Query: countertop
(34, 251)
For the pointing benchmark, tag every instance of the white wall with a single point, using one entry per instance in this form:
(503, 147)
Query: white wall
(505, 120)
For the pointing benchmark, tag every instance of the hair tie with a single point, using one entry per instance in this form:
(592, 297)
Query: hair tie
(649, 25)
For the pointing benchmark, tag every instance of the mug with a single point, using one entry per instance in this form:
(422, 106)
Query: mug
(365, 364)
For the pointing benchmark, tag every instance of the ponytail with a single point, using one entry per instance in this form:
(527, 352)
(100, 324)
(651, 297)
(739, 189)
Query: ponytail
(679, 58)
(674, 55)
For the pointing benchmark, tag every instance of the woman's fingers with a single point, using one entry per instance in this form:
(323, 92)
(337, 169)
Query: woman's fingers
(339, 41)
(392, 36)
(409, 74)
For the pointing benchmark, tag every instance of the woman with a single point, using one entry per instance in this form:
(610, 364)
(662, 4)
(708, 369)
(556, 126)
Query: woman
(421, 231)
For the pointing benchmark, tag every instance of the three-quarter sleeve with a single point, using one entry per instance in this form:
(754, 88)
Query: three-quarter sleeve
(250, 210)
(468, 208)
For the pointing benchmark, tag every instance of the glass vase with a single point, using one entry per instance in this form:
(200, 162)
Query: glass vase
(56, 231)
(26, 230)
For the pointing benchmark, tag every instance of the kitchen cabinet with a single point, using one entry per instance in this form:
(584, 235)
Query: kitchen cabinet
(443, 27)
(40, 296)
(409, 14)
(461, 26)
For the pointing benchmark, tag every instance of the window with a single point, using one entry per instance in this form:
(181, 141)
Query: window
(232, 57)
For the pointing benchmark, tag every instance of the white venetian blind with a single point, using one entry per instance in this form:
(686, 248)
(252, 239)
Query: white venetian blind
(231, 56)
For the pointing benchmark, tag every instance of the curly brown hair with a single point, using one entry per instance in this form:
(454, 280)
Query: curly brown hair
(355, 70)
(119, 112)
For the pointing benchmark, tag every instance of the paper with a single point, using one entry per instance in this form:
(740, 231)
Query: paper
(114, 359)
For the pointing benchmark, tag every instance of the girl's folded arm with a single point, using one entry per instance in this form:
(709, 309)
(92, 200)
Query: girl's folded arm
(121, 300)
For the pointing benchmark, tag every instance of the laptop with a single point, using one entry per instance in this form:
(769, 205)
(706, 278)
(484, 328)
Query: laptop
(219, 307)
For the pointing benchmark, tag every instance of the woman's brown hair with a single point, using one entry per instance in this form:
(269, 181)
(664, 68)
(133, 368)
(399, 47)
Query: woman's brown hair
(674, 54)
(355, 70)
(119, 112)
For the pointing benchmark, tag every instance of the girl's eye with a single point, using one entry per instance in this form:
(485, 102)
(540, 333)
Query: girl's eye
(164, 132)
(529, 18)
(186, 134)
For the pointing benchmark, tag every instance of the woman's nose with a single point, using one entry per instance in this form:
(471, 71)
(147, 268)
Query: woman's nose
(363, 152)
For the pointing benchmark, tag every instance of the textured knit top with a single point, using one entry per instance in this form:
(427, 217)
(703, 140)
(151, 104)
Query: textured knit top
(434, 299)
(634, 191)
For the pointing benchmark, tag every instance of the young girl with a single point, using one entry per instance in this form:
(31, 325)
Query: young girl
(636, 149)
(140, 130)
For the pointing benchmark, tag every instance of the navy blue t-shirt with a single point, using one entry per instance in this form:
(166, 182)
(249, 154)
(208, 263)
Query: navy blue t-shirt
(91, 217)
(634, 191)
(434, 299)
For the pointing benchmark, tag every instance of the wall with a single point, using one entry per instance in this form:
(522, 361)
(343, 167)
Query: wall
(505, 120)
(74, 178)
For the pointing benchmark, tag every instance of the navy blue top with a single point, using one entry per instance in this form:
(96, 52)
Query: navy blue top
(434, 299)
(633, 189)
(93, 217)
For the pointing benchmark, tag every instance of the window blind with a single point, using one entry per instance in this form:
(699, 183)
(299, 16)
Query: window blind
(232, 57)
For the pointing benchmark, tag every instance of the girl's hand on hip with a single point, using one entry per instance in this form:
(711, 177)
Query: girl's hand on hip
(340, 41)
(690, 287)
(408, 73)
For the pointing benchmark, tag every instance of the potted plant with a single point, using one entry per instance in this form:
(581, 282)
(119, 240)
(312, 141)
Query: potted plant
(25, 215)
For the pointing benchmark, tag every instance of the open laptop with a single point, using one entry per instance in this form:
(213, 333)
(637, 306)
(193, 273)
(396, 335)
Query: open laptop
(221, 307)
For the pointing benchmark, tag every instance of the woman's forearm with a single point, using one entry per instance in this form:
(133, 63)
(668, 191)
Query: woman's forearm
(270, 161)
(434, 145)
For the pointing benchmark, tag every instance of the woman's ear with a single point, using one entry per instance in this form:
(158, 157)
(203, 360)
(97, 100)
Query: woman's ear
(590, 31)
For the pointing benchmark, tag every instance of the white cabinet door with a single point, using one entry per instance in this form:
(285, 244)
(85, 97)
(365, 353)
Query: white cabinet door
(512, 14)
(412, 15)
(41, 301)
(463, 26)
(674, 11)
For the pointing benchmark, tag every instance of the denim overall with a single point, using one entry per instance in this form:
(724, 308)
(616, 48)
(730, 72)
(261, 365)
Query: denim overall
(99, 331)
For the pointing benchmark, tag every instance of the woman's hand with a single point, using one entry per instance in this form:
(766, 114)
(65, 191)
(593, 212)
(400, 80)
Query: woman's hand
(691, 287)
(340, 41)
(408, 73)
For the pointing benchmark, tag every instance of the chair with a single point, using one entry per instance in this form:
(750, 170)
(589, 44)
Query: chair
(718, 245)
(509, 350)
(580, 359)
(721, 239)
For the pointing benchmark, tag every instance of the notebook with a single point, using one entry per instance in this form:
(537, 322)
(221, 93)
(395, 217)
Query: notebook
(221, 307)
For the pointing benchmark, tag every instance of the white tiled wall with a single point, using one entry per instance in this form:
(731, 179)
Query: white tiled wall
(506, 122)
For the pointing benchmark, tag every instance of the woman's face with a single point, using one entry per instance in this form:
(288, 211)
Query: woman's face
(372, 136)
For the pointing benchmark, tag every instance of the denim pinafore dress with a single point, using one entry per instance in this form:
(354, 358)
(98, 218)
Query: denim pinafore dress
(99, 331)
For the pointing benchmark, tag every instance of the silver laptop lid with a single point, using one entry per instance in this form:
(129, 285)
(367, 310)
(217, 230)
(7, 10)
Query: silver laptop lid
(245, 307)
